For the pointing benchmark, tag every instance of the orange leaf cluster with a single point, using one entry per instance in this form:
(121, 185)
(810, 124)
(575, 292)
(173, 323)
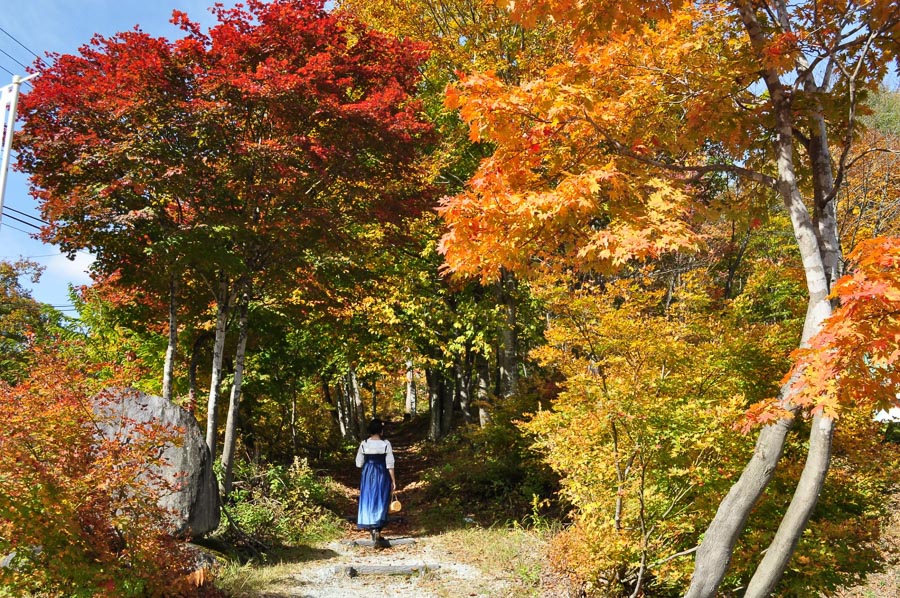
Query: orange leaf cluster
(853, 361)
(78, 510)
(575, 173)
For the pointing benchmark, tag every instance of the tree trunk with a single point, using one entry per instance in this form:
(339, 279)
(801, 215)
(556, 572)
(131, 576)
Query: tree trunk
(411, 397)
(508, 358)
(293, 429)
(448, 397)
(223, 300)
(824, 215)
(169, 365)
(714, 554)
(771, 568)
(234, 402)
(435, 404)
(357, 407)
(482, 390)
(337, 407)
(349, 413)
(192, 370)
(343, 411)
(464, 385)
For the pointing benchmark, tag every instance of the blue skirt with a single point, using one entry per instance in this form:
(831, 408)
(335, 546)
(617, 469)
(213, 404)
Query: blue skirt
(374, 493)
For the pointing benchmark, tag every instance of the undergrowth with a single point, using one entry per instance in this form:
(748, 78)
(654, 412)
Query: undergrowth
(278, 506)
(491, 476)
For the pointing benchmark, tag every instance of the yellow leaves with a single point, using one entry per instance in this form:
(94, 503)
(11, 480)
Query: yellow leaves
(634, 426)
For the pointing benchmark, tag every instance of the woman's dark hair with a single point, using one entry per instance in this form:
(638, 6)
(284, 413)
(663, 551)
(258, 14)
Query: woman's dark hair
(376, 426)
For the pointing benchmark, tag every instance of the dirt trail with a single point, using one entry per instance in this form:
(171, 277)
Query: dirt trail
(329, 578)
(437, 565)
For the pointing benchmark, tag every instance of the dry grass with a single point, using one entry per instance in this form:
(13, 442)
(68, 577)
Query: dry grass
(509, 560)
(255, 578)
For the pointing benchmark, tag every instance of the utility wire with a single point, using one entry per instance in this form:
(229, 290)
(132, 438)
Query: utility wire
(13, 58)
(18, 229)
(38, 304)
(28, 83)
(28, 257)
(20, 221)
(25, 214)
(21, 300)
(10, 35)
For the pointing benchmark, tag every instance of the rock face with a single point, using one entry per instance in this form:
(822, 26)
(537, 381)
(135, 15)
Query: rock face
(194, 507)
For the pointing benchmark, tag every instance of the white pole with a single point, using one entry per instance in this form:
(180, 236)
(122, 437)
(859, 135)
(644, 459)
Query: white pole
(8, 134)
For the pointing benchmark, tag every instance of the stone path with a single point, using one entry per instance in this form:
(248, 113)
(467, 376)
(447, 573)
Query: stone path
(429, 575)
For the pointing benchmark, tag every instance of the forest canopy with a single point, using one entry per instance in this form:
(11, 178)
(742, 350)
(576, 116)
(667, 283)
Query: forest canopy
(629, 266)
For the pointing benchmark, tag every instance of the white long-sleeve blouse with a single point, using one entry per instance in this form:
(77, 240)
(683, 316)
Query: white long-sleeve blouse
(375, 447)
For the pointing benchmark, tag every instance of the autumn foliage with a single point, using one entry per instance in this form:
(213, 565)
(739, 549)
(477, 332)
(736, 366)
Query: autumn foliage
(79, 513)
(642, 430)
(647, 207)
(853, 361)
(657, 116)
(244, 152)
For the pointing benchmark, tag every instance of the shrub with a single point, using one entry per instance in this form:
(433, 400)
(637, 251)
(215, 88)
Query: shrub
(493, 467)
(281, 505)
(642, 435)
(78, 514)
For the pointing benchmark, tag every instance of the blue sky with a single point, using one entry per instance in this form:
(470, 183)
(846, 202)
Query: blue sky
(62, 26)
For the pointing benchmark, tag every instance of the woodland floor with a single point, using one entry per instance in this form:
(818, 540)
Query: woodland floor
(885, 582)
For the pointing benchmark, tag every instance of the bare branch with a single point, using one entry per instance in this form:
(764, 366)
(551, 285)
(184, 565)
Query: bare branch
(851, 117)
(674, 556)
(698, 171)
(871, 150)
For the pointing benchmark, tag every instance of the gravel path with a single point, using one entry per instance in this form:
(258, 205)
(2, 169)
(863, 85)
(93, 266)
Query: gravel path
(328, 578)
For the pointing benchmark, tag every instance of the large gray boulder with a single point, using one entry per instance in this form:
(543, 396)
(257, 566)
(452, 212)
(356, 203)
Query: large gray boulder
(194, 505)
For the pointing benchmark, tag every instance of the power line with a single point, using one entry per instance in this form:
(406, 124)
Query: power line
(10, 35)
(28, 257)
(43, 255)
(28, 83)
(37, 303)
(13, 58)
(18, 229)
(20, 221)
(25, 214)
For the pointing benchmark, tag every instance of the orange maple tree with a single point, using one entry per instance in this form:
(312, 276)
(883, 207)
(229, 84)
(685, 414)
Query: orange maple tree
(609, 155)
(853, 360)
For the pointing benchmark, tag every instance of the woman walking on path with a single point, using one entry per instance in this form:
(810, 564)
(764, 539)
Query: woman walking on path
(376, 458)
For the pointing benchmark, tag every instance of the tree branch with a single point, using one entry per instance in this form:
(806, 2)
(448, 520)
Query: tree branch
(698, 171)
(871, 150)
(674, 556)
(851, 116)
